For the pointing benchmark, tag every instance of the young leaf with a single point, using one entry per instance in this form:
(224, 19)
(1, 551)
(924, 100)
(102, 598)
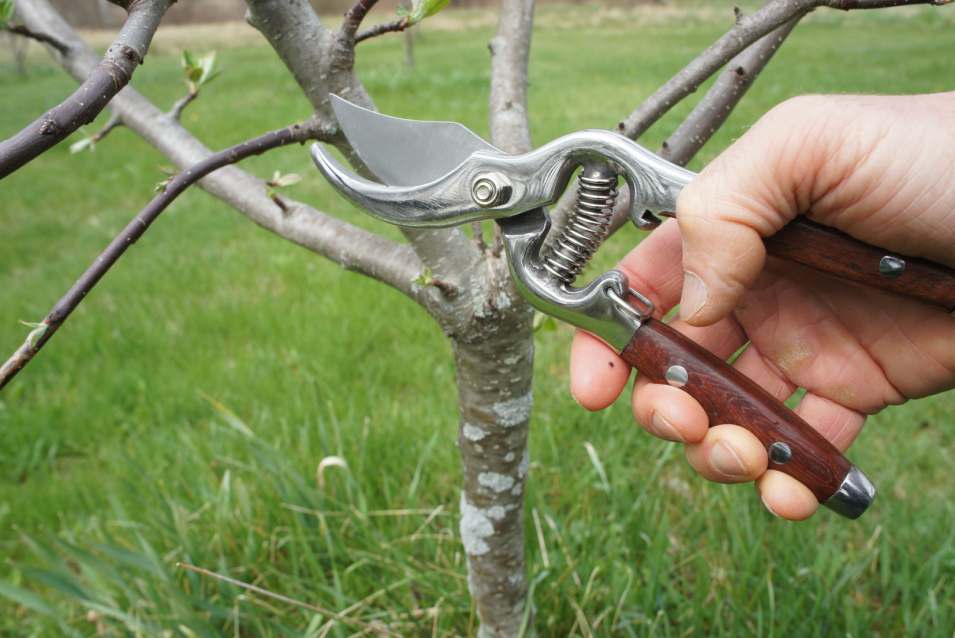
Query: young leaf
(425, 277)
(207, 65)
(39, 329)
(281, 181)
(198, 70)
(7, 8)
(188, 60)
(422, 9)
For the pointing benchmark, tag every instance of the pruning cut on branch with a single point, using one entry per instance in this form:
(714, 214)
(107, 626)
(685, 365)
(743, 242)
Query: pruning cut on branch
(108, 77)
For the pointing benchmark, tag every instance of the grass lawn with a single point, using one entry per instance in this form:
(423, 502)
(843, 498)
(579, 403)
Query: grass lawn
(181, 414)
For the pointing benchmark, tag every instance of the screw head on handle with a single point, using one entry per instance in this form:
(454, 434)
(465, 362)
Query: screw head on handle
(677, 376)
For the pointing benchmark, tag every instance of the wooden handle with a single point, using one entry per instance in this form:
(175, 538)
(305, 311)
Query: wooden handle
(666, 356)
(833, 252)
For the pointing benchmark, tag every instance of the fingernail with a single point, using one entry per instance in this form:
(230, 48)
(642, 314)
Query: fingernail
(726, 461)
(663, 428)
(694, 295)
(766, 505)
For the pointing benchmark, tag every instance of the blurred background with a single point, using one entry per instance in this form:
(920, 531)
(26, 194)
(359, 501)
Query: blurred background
(183, 411)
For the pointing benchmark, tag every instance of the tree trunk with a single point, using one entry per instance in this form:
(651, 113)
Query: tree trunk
(495, 362)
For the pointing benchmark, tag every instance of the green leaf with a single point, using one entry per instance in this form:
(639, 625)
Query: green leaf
(7, 7)
(207, 65)
(25, 598)
(422, 9)
(187, 60)
(39, 329)
(198, 70)
(281, 181)
(425, 277)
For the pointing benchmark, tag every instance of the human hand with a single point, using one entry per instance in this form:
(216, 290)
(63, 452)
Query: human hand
(881, 169)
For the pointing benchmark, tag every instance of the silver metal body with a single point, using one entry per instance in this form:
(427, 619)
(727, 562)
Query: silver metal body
(412, 159)
(417, 189)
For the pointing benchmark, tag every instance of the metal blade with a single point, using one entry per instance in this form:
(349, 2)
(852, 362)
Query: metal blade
(405, 152)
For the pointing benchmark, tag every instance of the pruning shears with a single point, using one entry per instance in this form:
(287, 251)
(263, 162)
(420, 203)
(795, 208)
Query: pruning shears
(439, 174)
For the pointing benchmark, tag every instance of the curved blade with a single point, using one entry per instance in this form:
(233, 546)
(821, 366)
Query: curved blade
(405, 152)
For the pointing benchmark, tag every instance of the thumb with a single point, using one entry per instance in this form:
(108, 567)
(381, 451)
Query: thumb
(749, 192)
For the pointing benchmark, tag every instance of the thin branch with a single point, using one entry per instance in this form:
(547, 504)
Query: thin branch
(21, 30)
(114, 122)
(715, 107)
(135, 229)
(176, 111)
(105, 80)
(744, 32)
(387, 27)
(375, 629)
(355, 16)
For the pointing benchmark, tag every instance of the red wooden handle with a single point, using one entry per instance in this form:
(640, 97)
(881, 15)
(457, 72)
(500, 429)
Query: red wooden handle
(665, 356)
(833, 252)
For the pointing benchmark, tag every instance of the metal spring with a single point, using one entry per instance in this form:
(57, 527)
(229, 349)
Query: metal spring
(587, 227)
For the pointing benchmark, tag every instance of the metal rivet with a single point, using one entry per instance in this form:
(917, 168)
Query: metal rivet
(890, 266)
(490, 189)
(780, 452)
(677, 376)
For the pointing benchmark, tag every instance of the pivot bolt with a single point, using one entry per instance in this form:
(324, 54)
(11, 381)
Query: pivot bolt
(490, 189)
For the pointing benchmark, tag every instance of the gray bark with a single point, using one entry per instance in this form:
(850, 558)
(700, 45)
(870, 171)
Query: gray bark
(495, 364)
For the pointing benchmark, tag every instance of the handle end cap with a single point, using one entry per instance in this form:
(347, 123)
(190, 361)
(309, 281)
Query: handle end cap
(854, 495)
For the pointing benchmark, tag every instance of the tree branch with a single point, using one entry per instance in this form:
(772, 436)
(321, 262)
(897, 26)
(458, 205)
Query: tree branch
(322, 62)
(21, 30)
(387, 27)
(355, 16)
(747, 30)
(113, 123)
(353, 248)
(135, 229)
(104, 81)
(180, 105)
(711, 112)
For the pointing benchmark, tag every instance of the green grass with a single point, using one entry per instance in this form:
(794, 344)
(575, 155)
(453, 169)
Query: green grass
(181, 413)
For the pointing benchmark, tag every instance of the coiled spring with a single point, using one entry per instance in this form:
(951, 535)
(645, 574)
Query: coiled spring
(587, 227)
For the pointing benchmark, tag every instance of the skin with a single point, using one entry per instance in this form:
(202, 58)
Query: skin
(881, 168)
